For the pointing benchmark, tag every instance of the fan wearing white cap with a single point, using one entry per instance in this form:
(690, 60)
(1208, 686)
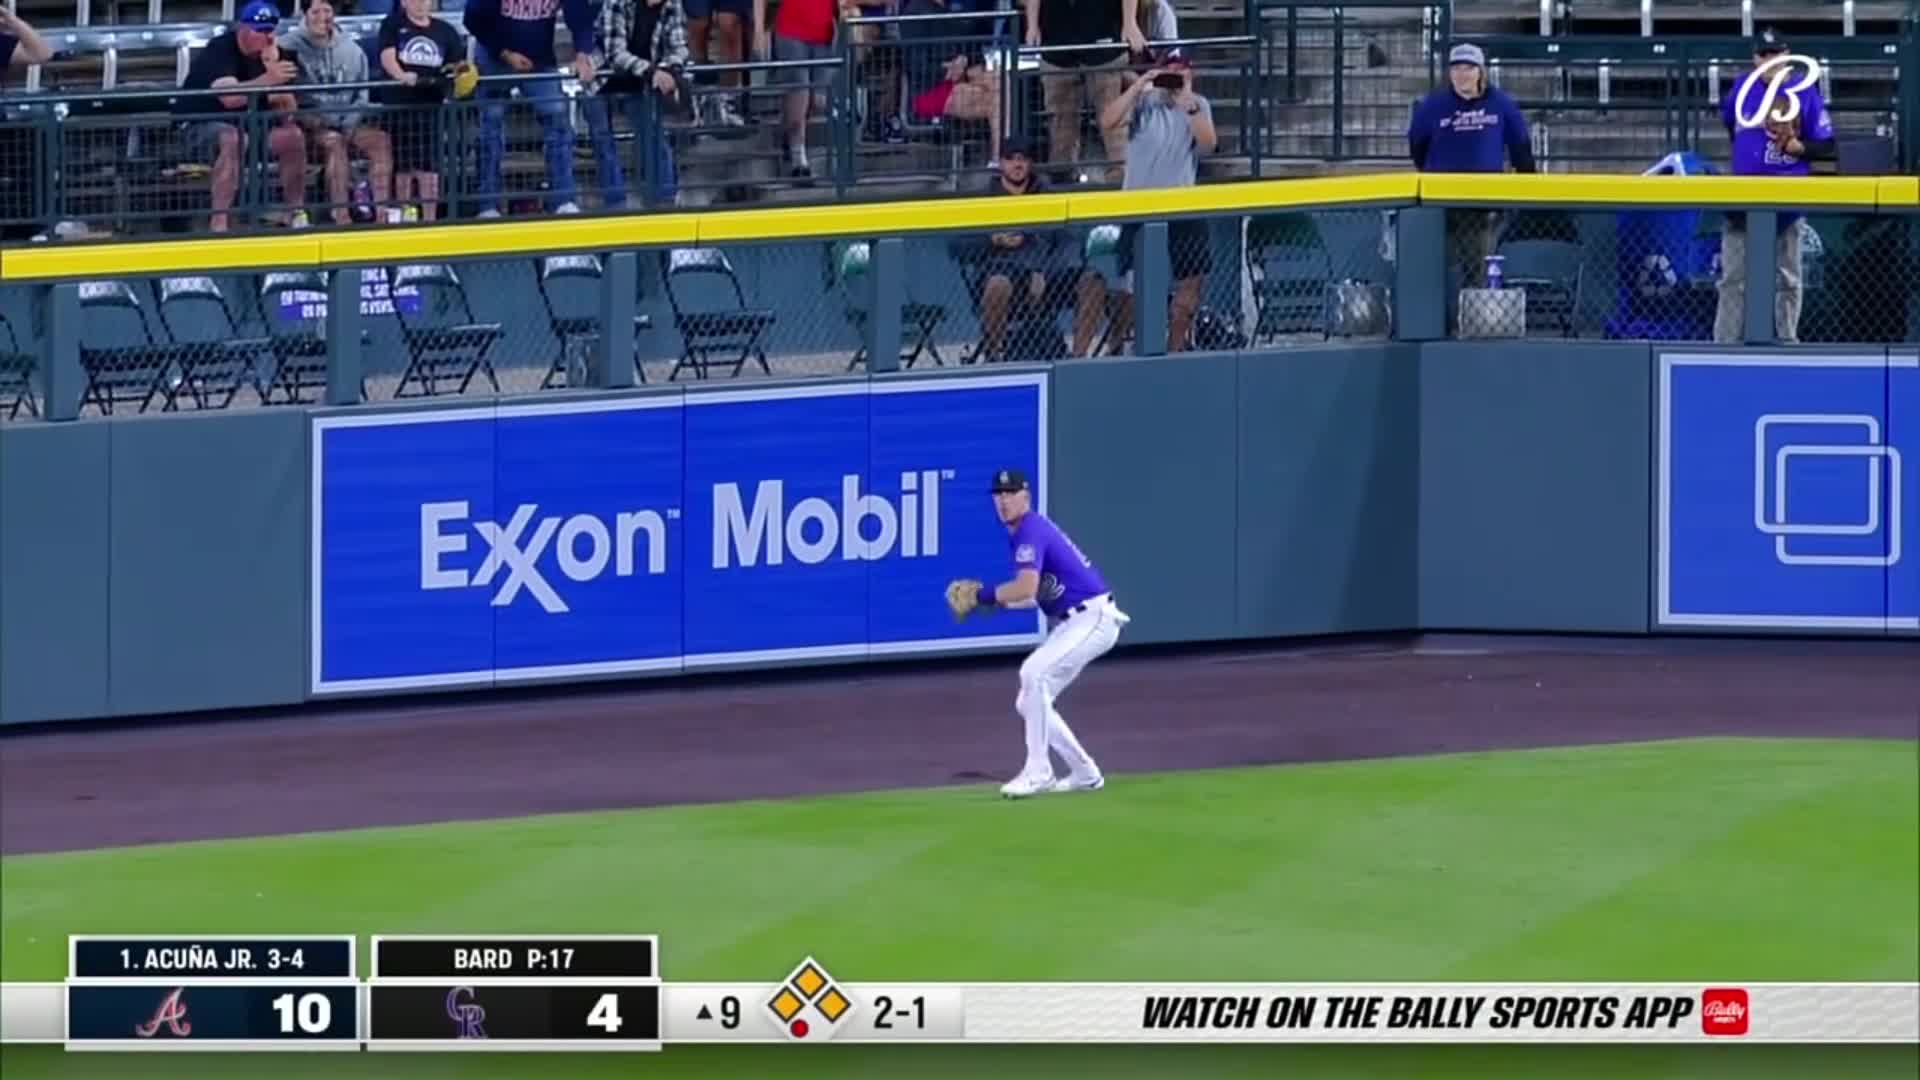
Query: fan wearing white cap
(1469, 125)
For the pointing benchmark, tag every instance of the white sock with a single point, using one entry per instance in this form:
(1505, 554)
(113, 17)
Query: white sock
(1034, 708)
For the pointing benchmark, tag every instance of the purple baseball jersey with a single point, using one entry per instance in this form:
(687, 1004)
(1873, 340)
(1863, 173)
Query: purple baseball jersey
(1066, 576)
(1754, 154)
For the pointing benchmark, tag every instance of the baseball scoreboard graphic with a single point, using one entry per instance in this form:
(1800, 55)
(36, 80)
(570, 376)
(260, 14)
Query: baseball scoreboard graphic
(670, 533)
(606, 993)
(1789, 491)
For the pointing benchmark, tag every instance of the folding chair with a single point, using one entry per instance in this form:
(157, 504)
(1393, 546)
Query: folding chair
(135, 368)
(1102, 243)
(16, 375)
(1551, 272)
(293, 305)
(708, 323)
(848, 263)
(1292, 272)
(576, 330)
(214, 360)
(440, 352)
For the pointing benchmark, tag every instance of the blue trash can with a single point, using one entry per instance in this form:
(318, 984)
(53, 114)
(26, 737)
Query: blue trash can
(1664, 266)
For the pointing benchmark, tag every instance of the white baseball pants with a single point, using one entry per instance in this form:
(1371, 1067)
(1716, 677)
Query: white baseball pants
(1071, 645)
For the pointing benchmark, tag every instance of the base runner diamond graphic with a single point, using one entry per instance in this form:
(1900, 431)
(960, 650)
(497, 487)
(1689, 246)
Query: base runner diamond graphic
(809, 1005)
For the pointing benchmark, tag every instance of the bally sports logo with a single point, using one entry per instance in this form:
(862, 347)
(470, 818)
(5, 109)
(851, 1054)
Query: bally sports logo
(1724, 1011)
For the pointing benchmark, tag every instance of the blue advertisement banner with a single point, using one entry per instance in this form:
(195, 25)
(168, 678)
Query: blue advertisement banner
(552, 540)
(1789, 491)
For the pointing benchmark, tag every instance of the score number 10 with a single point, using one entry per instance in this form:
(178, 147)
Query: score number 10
(311, 1014)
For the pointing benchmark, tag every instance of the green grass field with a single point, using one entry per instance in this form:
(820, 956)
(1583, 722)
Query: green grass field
(1723, 859)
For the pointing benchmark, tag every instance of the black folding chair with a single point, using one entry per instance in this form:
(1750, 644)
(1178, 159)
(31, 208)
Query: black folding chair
(212, 359)
(123, 364)
(441, 352)
(848, 264)
(17, 369)
(712, 320)
(574, 331)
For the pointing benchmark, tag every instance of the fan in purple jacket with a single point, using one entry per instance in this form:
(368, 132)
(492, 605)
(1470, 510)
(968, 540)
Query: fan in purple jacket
(1775, 134)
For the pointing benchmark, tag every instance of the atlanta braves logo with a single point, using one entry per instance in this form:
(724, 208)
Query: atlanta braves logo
(1775, 73)
(465, 1014)
(172, 1012)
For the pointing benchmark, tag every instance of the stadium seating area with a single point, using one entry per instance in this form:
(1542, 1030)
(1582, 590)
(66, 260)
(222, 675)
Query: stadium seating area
(85, 142)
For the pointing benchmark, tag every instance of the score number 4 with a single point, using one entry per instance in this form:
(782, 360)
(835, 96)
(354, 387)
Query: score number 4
(605, 1014)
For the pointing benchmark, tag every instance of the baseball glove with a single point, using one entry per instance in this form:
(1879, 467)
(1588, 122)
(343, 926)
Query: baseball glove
(963, 597)
(463, 78)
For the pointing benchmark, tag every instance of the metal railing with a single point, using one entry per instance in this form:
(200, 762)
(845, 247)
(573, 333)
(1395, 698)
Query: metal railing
(1310, 82)
(1671, 90)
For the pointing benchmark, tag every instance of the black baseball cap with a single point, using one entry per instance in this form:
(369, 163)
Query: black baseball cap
(1009, 480)
(1769, 42)
(1016, 146)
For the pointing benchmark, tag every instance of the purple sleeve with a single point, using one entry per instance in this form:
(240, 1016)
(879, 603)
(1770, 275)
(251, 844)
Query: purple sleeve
(1819, 122)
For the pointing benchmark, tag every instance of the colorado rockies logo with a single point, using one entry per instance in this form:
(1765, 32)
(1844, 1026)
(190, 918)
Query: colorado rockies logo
(465, 1013)
(1775, 73)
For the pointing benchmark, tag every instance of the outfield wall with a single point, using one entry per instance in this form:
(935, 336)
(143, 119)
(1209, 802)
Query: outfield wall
(182, 563)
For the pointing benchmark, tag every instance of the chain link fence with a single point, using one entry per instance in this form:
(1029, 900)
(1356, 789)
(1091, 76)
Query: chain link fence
(1678, 275)
(718, 311)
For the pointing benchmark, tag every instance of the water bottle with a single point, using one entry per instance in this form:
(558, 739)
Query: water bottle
(1496, 278)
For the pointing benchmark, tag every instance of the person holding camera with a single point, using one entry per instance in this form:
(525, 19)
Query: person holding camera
(1169, 129)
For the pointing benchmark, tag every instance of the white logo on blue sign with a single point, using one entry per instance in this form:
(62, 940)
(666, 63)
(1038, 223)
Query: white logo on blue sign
(1785, 488)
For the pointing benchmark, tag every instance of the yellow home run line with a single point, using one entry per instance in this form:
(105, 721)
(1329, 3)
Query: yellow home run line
(507, 239)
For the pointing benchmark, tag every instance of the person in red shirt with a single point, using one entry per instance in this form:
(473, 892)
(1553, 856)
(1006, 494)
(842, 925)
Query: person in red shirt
(802, 30)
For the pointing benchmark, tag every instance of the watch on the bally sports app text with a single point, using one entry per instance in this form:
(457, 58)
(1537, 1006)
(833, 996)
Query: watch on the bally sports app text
(606, 992)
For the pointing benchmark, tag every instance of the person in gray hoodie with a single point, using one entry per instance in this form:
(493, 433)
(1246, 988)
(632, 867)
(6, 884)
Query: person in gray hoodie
(332, 118)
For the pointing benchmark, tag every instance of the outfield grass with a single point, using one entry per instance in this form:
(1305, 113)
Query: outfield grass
(1724, 859)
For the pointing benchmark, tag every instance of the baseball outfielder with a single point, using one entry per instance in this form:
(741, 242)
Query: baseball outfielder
(1049, 572)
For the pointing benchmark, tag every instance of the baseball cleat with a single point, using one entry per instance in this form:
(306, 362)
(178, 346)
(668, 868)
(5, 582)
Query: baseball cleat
(1027, 784)
(1080, 782)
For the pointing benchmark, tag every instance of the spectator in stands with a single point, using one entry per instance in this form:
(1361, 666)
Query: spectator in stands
(1068, 78)
(876, 68)
(644, 64)
(245, 58)
(1469, 126)
(1169, 129)
(415, 51)
(1150, 20)
(801, 30)
(517, 37)
(19, 156)
(333, 121)
(1772, 147)
(1023, 271)
(717, 34)
(950, 78)
(19, 41)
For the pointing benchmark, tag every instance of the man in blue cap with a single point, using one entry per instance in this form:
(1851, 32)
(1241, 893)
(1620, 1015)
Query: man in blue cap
(245, 59)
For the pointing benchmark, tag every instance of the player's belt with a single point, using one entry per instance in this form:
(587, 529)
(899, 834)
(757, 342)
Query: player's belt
(1085, 605)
